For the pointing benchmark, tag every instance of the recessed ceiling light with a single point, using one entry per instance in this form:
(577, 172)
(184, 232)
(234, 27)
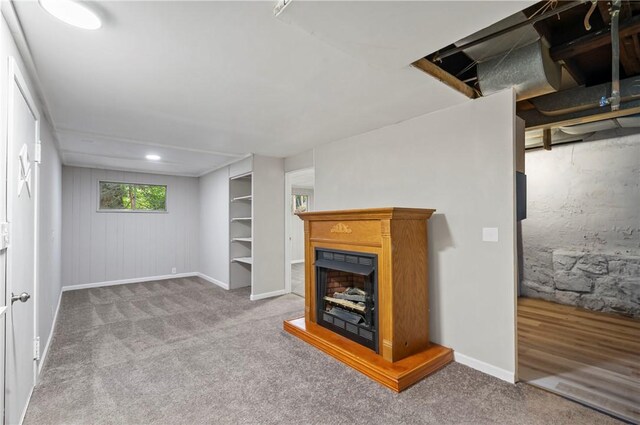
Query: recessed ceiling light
(152, 157)
(73, 13)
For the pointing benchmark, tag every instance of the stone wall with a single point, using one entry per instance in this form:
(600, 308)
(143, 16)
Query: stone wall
(602, 282)
(581, 239)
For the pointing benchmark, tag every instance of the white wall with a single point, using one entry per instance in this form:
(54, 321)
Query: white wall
(299, 162)
(585, 195)
(581, 238)
(49, 234)
(268, 227)
(459, 161)
(104, 247)
(214, 225)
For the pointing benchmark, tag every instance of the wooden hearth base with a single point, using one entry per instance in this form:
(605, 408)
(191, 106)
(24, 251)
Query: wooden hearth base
(397, 375)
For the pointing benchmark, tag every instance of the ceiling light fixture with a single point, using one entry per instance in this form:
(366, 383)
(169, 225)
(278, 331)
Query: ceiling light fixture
(73, 13)
(153, 157)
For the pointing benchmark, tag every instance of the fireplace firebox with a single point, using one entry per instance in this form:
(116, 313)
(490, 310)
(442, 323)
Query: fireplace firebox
(346, 295)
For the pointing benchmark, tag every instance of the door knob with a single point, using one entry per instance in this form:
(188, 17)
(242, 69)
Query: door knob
(22, 297)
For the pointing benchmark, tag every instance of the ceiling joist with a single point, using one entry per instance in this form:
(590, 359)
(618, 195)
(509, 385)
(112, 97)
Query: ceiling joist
(592, 41)
(440, 74)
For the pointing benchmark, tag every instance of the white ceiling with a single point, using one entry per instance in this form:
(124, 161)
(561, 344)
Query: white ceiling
(192, 80)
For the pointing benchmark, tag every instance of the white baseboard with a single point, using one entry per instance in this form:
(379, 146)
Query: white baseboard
(43, 354)
(267, 295)
(126, 281)
(26, 406)
(214, 281)
(483, 367)
(297, 261)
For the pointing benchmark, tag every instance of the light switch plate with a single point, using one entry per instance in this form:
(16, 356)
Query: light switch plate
(490, 234)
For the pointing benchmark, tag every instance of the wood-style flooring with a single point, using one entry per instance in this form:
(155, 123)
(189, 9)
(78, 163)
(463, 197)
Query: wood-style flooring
(591, 357)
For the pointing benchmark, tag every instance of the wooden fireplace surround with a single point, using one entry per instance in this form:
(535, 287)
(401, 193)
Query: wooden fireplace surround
(398, 236)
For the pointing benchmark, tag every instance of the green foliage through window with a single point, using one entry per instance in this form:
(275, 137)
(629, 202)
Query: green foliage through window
(300, 203)
(132, 197)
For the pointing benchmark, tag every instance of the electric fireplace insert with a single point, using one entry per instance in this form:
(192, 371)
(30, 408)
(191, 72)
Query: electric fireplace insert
(346, 294)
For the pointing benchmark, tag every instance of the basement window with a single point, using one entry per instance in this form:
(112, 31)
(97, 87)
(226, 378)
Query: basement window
(132, 197)
(299, 203)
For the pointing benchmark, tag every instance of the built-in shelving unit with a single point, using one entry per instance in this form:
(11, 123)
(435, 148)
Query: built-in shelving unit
(240, 230)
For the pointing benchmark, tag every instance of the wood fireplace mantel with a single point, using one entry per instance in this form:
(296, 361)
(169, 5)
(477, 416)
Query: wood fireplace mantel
(398, 236)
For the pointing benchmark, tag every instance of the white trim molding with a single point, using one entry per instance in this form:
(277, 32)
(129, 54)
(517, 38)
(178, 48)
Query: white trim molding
(214, 281)
(483, 367)
(126, 281)
(26, 407)
(43, 354)
(267, 295)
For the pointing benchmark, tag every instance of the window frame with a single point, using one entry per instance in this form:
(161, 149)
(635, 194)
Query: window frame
(114, 210)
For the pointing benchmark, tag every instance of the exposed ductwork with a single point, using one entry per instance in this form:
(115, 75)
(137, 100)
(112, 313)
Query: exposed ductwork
(557, 65)
(579, 102)
(579, 132)
(529, 69)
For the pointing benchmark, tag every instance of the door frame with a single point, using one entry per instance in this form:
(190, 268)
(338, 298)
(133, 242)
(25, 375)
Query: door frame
(17, 81)
(288, 187)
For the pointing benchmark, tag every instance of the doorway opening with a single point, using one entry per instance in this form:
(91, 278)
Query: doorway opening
(579, 310)
(299, 197)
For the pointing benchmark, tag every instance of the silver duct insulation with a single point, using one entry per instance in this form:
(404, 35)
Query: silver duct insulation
(529, 69)
(582, 99)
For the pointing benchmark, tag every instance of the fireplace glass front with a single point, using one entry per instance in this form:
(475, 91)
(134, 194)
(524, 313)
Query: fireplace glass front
(346, 294)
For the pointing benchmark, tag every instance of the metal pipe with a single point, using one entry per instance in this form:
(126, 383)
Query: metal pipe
(615, 55)
(586, 107)
(530, 21)
(587, 17)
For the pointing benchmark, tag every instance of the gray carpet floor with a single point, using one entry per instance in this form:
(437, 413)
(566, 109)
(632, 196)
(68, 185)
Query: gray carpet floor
(186, 352)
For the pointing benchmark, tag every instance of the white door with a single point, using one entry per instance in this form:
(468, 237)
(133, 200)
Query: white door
(22, 139)
(298, 193)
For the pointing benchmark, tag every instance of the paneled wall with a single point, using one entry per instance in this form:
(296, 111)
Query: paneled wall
(111, 246)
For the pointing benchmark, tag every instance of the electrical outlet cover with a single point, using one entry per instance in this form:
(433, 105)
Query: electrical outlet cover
(490, 234)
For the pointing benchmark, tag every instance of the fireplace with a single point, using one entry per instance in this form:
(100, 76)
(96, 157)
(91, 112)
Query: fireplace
(346, 295)
(366, 293)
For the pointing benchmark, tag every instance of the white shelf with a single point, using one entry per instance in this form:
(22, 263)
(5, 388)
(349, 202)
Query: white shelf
(241, 219)
(242, 240)
(245, 260)
(242, 198)
(240, 235)
(246, 176)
